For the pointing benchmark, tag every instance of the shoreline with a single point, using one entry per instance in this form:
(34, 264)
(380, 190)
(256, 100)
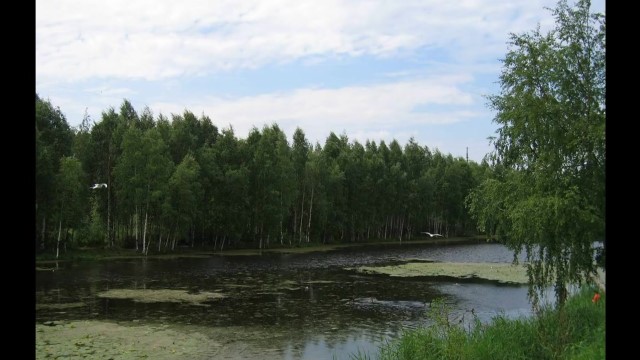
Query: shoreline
(96, 254)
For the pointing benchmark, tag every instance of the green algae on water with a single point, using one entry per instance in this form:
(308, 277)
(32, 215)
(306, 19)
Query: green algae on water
(161, 295)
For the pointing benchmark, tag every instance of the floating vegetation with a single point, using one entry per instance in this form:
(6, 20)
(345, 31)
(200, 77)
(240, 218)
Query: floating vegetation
(59, 306)
(98, 339)
(39, 268)
(501, 272)
(161, 295)
(321, 282)
(288, 285)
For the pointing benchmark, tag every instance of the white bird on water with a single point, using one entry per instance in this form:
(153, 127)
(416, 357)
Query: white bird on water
(98, 186)
(432, 235)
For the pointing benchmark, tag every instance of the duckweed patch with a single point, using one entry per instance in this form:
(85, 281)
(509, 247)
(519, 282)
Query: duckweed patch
(501, 272)
(161, 295)
(58, 306)
(98, 339)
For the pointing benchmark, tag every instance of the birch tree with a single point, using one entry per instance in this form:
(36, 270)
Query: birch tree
(550, 199)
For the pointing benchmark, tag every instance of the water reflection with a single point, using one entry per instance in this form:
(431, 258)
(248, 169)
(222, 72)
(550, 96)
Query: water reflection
(303, 306)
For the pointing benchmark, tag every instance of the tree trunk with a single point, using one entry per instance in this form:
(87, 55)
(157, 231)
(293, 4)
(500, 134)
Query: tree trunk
(386, 221)
(44, 223)
(58, 245)
(144, 232)
(109, 238)
(173, 242)
(301, 215)
(160, 241)
(281, 216)
(136, 228)
(310, 211)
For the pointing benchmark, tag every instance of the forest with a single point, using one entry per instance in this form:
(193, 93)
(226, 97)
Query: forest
(154, 183)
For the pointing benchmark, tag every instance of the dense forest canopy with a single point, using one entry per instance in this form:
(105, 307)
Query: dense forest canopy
(181, 181)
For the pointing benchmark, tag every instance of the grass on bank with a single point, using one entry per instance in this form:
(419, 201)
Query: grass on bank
(577, 331)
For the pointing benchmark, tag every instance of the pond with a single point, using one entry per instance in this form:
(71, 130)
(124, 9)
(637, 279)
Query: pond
(280, 306)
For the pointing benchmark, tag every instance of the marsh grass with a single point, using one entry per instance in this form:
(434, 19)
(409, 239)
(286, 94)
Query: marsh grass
(576, 331)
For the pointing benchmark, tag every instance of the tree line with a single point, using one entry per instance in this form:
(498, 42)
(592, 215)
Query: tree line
(183, 182)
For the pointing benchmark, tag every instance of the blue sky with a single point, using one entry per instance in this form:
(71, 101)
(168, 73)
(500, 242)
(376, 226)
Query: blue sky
(377, 70)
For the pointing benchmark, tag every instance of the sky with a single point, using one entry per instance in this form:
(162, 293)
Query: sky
(369, 69)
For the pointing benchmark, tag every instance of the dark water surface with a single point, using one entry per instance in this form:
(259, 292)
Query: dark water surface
(302, 306)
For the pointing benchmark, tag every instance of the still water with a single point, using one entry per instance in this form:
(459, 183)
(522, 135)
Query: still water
(294, 306)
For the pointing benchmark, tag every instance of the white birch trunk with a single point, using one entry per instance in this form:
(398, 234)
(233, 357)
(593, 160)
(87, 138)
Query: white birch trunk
(301, 215)
(135, 227)
(144, 233)
(58, 245)
(310, 212)
(281, 232)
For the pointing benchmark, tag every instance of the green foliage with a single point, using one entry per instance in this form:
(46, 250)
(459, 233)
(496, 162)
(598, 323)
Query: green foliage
(547, 196)
(141, 175)
(71, 193)
(183, 193)
(574, 331)
(53, 130)
(93, 230)
(176, 180)
(53, 141)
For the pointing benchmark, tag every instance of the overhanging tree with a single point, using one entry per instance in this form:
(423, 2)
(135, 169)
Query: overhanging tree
(549, 201)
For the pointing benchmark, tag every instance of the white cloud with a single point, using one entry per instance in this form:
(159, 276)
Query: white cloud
(152, 40)
(356, 110)
(110, 91)
(85, 47)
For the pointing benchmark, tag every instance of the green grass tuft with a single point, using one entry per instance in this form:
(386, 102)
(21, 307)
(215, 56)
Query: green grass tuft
(575, 331)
